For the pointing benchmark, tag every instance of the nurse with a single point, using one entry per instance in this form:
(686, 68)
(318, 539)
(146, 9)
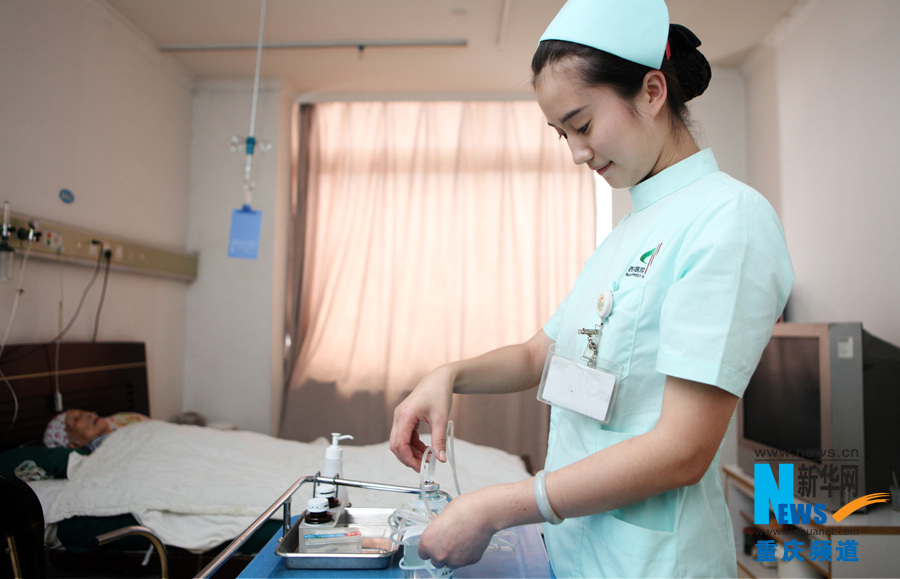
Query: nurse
(674, 309)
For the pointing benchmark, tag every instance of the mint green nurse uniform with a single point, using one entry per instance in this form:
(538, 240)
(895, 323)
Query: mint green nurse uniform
(699, 273)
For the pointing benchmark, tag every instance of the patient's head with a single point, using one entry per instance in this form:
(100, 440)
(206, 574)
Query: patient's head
(77, 428)
(83, 426)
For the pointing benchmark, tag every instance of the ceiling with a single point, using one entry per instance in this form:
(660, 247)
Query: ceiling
(499, 37)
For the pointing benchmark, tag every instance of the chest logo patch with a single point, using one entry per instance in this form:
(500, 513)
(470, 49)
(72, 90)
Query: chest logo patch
(642, 267)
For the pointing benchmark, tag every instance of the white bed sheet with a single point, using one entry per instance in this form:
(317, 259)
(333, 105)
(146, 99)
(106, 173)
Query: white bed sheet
(198, 487)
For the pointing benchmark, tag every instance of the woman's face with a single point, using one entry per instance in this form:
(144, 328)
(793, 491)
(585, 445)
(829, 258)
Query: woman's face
(615, 141)
(83, 426)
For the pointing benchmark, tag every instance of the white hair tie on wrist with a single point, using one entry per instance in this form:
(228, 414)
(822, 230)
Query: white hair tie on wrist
(543, 503)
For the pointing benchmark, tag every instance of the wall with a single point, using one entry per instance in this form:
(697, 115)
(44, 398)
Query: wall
(825, 132)
(235, 309)
(88, 105)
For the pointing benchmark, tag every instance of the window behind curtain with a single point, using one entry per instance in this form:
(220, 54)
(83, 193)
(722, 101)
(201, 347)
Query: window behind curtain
(433, 231)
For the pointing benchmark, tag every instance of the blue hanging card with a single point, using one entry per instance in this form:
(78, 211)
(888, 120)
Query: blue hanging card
(245, 227)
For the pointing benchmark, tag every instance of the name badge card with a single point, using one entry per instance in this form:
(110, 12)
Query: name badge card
(568, 384)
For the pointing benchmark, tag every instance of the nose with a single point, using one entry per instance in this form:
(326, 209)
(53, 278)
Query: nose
(581, 153)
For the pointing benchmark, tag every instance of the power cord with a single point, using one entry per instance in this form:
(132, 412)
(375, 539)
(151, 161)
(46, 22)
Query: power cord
(83, 297)
(108, 255)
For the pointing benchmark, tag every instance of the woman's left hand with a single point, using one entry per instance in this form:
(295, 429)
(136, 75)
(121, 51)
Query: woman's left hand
(460, 534)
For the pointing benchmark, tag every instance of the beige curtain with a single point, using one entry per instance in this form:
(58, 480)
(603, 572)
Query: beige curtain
(434, 231)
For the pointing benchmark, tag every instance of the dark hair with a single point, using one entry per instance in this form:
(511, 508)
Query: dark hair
(686, 70)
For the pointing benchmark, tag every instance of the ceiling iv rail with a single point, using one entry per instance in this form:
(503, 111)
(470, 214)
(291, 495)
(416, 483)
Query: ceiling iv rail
(291, 45)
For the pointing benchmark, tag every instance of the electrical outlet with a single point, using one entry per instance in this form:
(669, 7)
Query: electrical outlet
(52, 240)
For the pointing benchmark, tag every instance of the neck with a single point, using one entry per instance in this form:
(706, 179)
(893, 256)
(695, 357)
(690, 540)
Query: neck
(677, 146)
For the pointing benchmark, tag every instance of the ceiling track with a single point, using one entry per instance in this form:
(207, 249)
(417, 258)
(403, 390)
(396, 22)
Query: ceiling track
(504, 24)
(289, 45)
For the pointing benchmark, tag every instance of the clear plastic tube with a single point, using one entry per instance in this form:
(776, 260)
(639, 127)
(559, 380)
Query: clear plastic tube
(451, 456)
(413, 519)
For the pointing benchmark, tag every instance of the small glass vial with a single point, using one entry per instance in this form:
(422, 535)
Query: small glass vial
(329, 492)
(436, 498)
(317, 512)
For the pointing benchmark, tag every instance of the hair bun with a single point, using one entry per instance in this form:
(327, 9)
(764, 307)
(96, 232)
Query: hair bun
(692, 68)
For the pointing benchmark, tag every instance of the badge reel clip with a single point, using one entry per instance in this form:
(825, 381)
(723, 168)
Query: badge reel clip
(582, 382)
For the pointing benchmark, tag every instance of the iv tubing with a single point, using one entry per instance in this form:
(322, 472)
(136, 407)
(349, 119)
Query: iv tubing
(451, 456)
(262, 26)
(251, 138)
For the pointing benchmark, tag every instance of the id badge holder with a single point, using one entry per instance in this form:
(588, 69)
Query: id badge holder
(575, 386)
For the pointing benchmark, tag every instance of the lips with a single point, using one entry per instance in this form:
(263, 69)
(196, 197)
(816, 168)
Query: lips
(603, 169)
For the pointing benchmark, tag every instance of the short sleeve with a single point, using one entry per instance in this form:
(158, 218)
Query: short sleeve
(729, 290)
(551, 328)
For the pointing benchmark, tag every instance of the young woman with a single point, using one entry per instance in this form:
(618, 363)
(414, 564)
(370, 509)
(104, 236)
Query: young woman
(674, 307)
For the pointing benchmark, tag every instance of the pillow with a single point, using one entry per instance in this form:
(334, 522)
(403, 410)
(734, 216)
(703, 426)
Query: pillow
(31, 463)
(120, 419)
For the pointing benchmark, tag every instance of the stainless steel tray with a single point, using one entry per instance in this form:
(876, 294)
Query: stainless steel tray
(377, 552)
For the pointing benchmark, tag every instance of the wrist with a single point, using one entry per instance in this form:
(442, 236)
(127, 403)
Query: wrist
(543, 501)
(508, 505)
(450, 374)
(497, 507)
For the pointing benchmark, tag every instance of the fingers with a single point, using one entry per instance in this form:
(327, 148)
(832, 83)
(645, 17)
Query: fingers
(405, 443)
(409, 448)
(450, 545)
(429, 402)
(439, 438)
(417, 448)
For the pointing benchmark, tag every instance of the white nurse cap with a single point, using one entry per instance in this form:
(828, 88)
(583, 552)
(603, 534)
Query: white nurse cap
(636, 30)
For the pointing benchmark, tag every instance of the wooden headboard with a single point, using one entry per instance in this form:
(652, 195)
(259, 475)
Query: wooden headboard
(105, 377)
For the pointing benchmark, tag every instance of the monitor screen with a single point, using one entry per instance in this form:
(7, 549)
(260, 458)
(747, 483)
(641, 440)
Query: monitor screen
(782, 401)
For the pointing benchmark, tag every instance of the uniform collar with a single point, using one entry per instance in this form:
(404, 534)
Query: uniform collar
(672, 179)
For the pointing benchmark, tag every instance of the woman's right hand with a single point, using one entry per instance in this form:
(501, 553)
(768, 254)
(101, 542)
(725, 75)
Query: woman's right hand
(429, 402)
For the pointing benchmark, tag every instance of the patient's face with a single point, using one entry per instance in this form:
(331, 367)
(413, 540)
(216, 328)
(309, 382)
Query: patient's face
(83, 426)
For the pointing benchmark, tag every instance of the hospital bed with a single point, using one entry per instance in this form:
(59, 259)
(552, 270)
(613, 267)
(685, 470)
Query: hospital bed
(165, 466)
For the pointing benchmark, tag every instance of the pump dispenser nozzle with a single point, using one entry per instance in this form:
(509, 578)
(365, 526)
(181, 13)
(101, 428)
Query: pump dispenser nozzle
(334, 455)
(337, 437)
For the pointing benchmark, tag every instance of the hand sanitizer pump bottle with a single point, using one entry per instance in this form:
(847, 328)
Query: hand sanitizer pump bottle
(334, 464)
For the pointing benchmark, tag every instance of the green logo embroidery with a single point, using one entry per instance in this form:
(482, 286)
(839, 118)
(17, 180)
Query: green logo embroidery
(646, 260)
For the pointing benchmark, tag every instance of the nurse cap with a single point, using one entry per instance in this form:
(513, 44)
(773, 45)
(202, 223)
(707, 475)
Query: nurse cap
(636, 30)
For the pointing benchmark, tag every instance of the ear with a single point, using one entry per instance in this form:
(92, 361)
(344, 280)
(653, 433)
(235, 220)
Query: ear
(655, 91)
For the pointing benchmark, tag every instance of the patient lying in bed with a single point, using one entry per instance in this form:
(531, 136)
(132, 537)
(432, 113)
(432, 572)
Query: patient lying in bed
(77, 428)
(198, 488)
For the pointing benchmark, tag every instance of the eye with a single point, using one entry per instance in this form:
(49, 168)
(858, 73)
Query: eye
(584, 128)
(563, 136)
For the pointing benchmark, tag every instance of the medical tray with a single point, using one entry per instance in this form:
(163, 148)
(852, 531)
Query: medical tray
(377, 551)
